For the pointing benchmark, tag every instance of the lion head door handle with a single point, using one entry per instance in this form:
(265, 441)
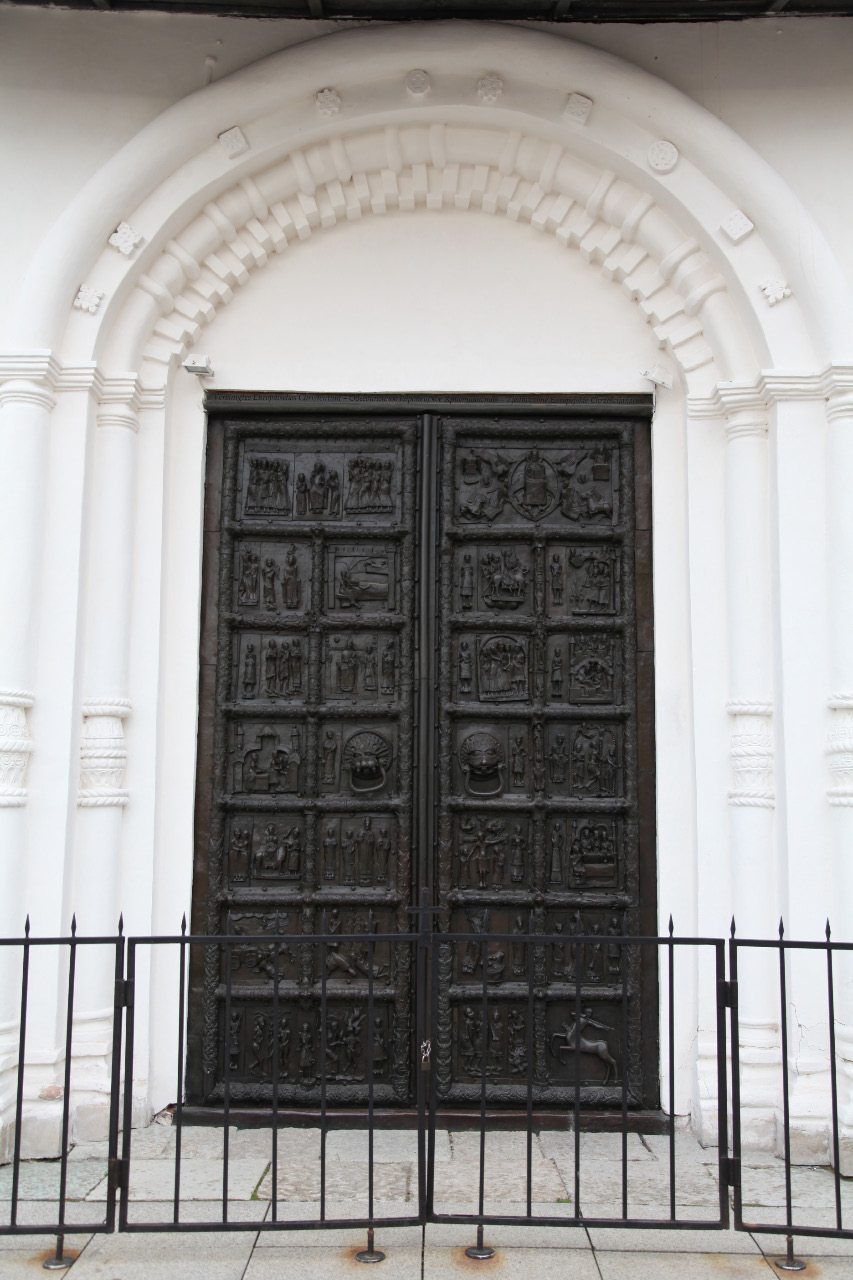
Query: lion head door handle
(367, 759)
(483, 763)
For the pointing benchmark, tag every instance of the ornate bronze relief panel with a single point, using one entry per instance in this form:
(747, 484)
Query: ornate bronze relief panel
(318, 755)
(538, 802)
(310, 796)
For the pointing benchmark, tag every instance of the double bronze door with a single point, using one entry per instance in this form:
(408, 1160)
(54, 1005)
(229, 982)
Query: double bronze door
(426, 662)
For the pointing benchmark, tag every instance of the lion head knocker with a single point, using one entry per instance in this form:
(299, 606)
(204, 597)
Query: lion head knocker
(367, 757)
(482, 759)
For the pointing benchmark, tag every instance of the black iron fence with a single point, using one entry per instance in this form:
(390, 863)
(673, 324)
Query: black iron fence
(320, 1042)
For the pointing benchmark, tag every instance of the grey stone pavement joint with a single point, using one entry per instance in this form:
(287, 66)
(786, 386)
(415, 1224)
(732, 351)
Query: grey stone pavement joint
(576, 1251)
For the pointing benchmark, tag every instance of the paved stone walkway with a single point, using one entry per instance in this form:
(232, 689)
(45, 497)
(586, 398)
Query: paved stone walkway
(436, 1251)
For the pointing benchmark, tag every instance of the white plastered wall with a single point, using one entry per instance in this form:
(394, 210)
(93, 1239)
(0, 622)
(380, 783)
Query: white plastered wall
(583, 295)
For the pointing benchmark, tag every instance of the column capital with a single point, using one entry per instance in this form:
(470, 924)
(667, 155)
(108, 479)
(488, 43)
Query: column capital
(27, 391)
(839, 404)
(747, 420)
(15, 746)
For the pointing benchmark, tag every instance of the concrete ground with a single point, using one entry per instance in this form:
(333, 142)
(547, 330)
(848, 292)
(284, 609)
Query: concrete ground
(433, 1252)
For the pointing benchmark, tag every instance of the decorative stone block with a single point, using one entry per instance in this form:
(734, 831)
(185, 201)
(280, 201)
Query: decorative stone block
(88, 299)
(490, 89)
(737, 226)
(577, 108)
(328, 103)
(662, 156)
(234, 142)
(775, 291)
(125, 239)
(418, 83)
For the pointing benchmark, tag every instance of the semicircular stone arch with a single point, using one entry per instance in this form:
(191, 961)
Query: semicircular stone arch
(612, 223)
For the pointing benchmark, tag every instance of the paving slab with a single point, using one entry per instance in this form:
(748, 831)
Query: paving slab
(648, 1183)
(688, 1150)
(161, 1256)
(811, 1187)
(389, 1145)
(401, 1263)
(505, 1179)
(804, 1246)
(456, 1234)
(34, 1212)
(26, 1263)
(155, 1211)
(200, 1180)
(345, 1237)
(671, 1266)
(39, 1179)
(510, 1264)
(653, 1240)
(300, 1180)
(593, 1146)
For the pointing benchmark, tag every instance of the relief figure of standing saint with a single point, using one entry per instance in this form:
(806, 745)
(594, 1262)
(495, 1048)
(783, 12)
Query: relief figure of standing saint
(389, 668)
(466, 667)
(291, 587)
(250, 672)
(330, 757)
(466, 582)
(556, 571)
(268, 577)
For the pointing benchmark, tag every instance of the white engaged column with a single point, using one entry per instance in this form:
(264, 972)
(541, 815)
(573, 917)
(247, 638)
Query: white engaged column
(839, 517)
(102, 746)
(25, 408)
(751, 797)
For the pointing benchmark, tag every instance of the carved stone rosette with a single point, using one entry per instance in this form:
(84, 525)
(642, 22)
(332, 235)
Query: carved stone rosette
(751, 753)
(103, 754)
(839, 749)
(15, 746)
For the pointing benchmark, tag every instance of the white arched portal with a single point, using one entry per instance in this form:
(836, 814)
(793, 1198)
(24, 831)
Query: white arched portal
(612, 167)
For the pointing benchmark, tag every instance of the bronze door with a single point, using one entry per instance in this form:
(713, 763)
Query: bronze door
(543, 550)
(418, 633)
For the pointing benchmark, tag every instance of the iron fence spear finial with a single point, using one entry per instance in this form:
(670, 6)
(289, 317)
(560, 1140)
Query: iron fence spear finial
(733, 929)
(781, 929)
(121, 923)
(828, 930)
(671, 927)
(183, 924)
(27, 927)
(74, 925)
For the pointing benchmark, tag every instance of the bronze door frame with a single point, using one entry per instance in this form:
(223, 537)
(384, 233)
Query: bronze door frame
(428, 414)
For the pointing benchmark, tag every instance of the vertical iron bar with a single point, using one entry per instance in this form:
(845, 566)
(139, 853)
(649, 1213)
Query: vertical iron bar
(671, 1033)
(783, 998)
(275, 1066)
(115, 1072)
(426, 640)
(624, 1056)
(433, 1085)
(127, 1115)
(19, 1092)
(481, 1250)
(420, 1085)
(484, 1042)
(179, 1084)
(579, 961)
(722, 1083)
(226, 1075)
(529, 1040)
(66, 1098)
(735, 1043)
(370, 1047)
(833, 1078)
(324, 947)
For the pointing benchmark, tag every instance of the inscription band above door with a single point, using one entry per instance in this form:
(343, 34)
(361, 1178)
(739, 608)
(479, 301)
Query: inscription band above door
(426, 663)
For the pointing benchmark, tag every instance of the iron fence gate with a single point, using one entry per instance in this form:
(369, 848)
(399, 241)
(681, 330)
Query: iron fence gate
(496, 1023)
